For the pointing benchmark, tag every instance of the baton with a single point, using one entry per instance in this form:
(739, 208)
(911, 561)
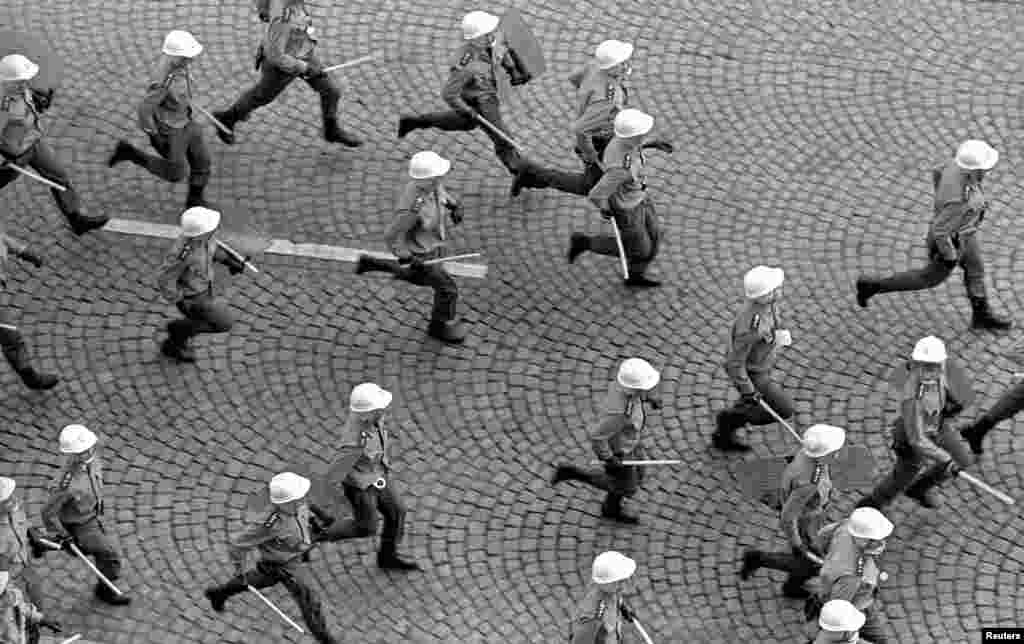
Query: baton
(496, 132)
(234, 253)
(351, 63)
(652, 462)
(32, 175)
(453, 258)
(771, 411)
(275, 608)
(73, 638)
(985, 486)
(220, 126)
(643, 633)
(9, 327)
(95, 570)
(622, 249)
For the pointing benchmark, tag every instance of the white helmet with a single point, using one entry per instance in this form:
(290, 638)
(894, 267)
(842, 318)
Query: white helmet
(181, 43)
(16, 67)
(976, 155)
(286, 487)
(612, 52)
(427, 165)
(762, 280)
(7, 486)
(637, 373)
(930, 349)
(5, 576)
(612, 566)
(822, 440)
(478, 23)
(75, 439)
(198, 221)
(869, 523)
(839, 615)
(369, 397)
(632, 122)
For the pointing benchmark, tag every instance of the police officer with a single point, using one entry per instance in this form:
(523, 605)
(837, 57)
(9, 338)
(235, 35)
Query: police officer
(751, 357)
(960, 207)
(618, 437)
(11, 342)
(281, 539)
(840, 623)
(599, 616)
(850, 571)
(186, 279)
(21, 140)
(166, 116)
(369, 487)
(75, 505)
(17, 539)
(418, 235)
(621, 194)
(287, 53)
(479, 79)
(929, 400)
(805, 493)
(1007, 406)
(20, 619)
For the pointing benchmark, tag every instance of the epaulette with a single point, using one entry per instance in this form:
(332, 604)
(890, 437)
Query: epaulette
(65, 479)
(417, 204)
(755, 322)
(186, 248)
(626, 160)
(610, 91)
(5, 103)
(467, 56)
(272, 519)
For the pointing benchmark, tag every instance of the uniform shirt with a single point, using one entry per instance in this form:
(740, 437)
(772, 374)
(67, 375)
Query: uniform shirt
(960, 205)
(16, 613)
(168, 102)
(752, 346)
(595, 610)
(288, 44)
(805, 491)
(478, 72)
(419, 228)
(14, 540)
(375, 460)
(599, 97)
(9, 246)
(924, 406)
(619, 430)
(188, 269)
(280, 538)
(19, 122)
(622, 188)
(848, 573)
(75, 498)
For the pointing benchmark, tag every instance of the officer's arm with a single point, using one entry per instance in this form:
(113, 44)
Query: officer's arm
(918, 440)
(602, 193)
(947, 221)
(795, 506)
(51, 511)
(736, 361)
(277, 38)
(240, 545)
(396, 236)
(601, 436)
(459, 79)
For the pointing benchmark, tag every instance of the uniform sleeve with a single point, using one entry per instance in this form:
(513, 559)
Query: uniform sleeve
(451, 93)
(397, 232)
(243, 542)
(919, 441)
(736, 361)
(601, 436)
(154, 96)
(51, 511)
(795, 507)
(167, 279)
(277, 39)
(606, 188)
(946, 223)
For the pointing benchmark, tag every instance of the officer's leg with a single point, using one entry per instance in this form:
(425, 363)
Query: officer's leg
(774, 396)
(920, 490)
(364, 517)
(31, 582)
(974, 282)
(508, 155)
(172, 162)
(272, 82)
(300, 586)
(259, 578)
(904, 472)
(330, 96)
(623, 482)
(1007, 406)
(209, 316)
(603, 244)
(533, 175)
(448, 120)
(393, 510)
(16, 353)
(872, 630)
(45, 162)
(93, 541)
(930, 275)
(198, 165)
(444, 324)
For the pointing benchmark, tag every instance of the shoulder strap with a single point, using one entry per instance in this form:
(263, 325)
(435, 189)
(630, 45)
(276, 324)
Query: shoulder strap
(274, 517)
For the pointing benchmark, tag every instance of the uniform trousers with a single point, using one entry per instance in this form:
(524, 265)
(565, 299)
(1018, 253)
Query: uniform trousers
(534, 175)
(455, 121)
(640, 247)
(182, 152)
(747, 412)
(272, 82)
(203, 314)
(366, 503)
(618, 481)
(42, 159)
(1007, 406)
(936, 271)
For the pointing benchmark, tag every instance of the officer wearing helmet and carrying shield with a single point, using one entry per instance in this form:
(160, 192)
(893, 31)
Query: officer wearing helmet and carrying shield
(166, 116)
(932, 393)
(75, 506)
(751, 357)
(618, 437)
(599, 616)
(281, 540)
(186, 279)
(369, 486)
(960, 207)
(21, 141)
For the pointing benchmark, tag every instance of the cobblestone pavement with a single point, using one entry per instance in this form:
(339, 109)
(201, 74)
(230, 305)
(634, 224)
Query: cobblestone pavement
(805, 136)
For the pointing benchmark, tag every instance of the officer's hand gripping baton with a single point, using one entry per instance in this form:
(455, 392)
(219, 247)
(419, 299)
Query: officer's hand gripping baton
(782, 421)
(985, 486)
(350, 63)
(622, 250)
(95, 570)
(238, 256)
(220, 126)
(35, 177)
(275, 608)
(490, 127)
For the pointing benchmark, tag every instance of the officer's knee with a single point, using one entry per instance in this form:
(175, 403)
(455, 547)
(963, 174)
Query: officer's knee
(176, 172)
(366, 528)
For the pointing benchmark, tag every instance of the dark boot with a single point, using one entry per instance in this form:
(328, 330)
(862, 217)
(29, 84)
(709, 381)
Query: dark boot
(388, 559)
(334, 133)
(123, 151)
(38, 549)
(974, 433)
(407, 124)
(751, 562)
(866, 289)
(229, 121)
(985, 319)
(794, 591)
(565, 473)
(366, 263)
(38, 381)
(195, 197)
(724, 437)
(639, 281)
(176, 347)
(80, 224)
(612, 509)
(216, 599)
(450, 331)
(578, 244)
(108, 596)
